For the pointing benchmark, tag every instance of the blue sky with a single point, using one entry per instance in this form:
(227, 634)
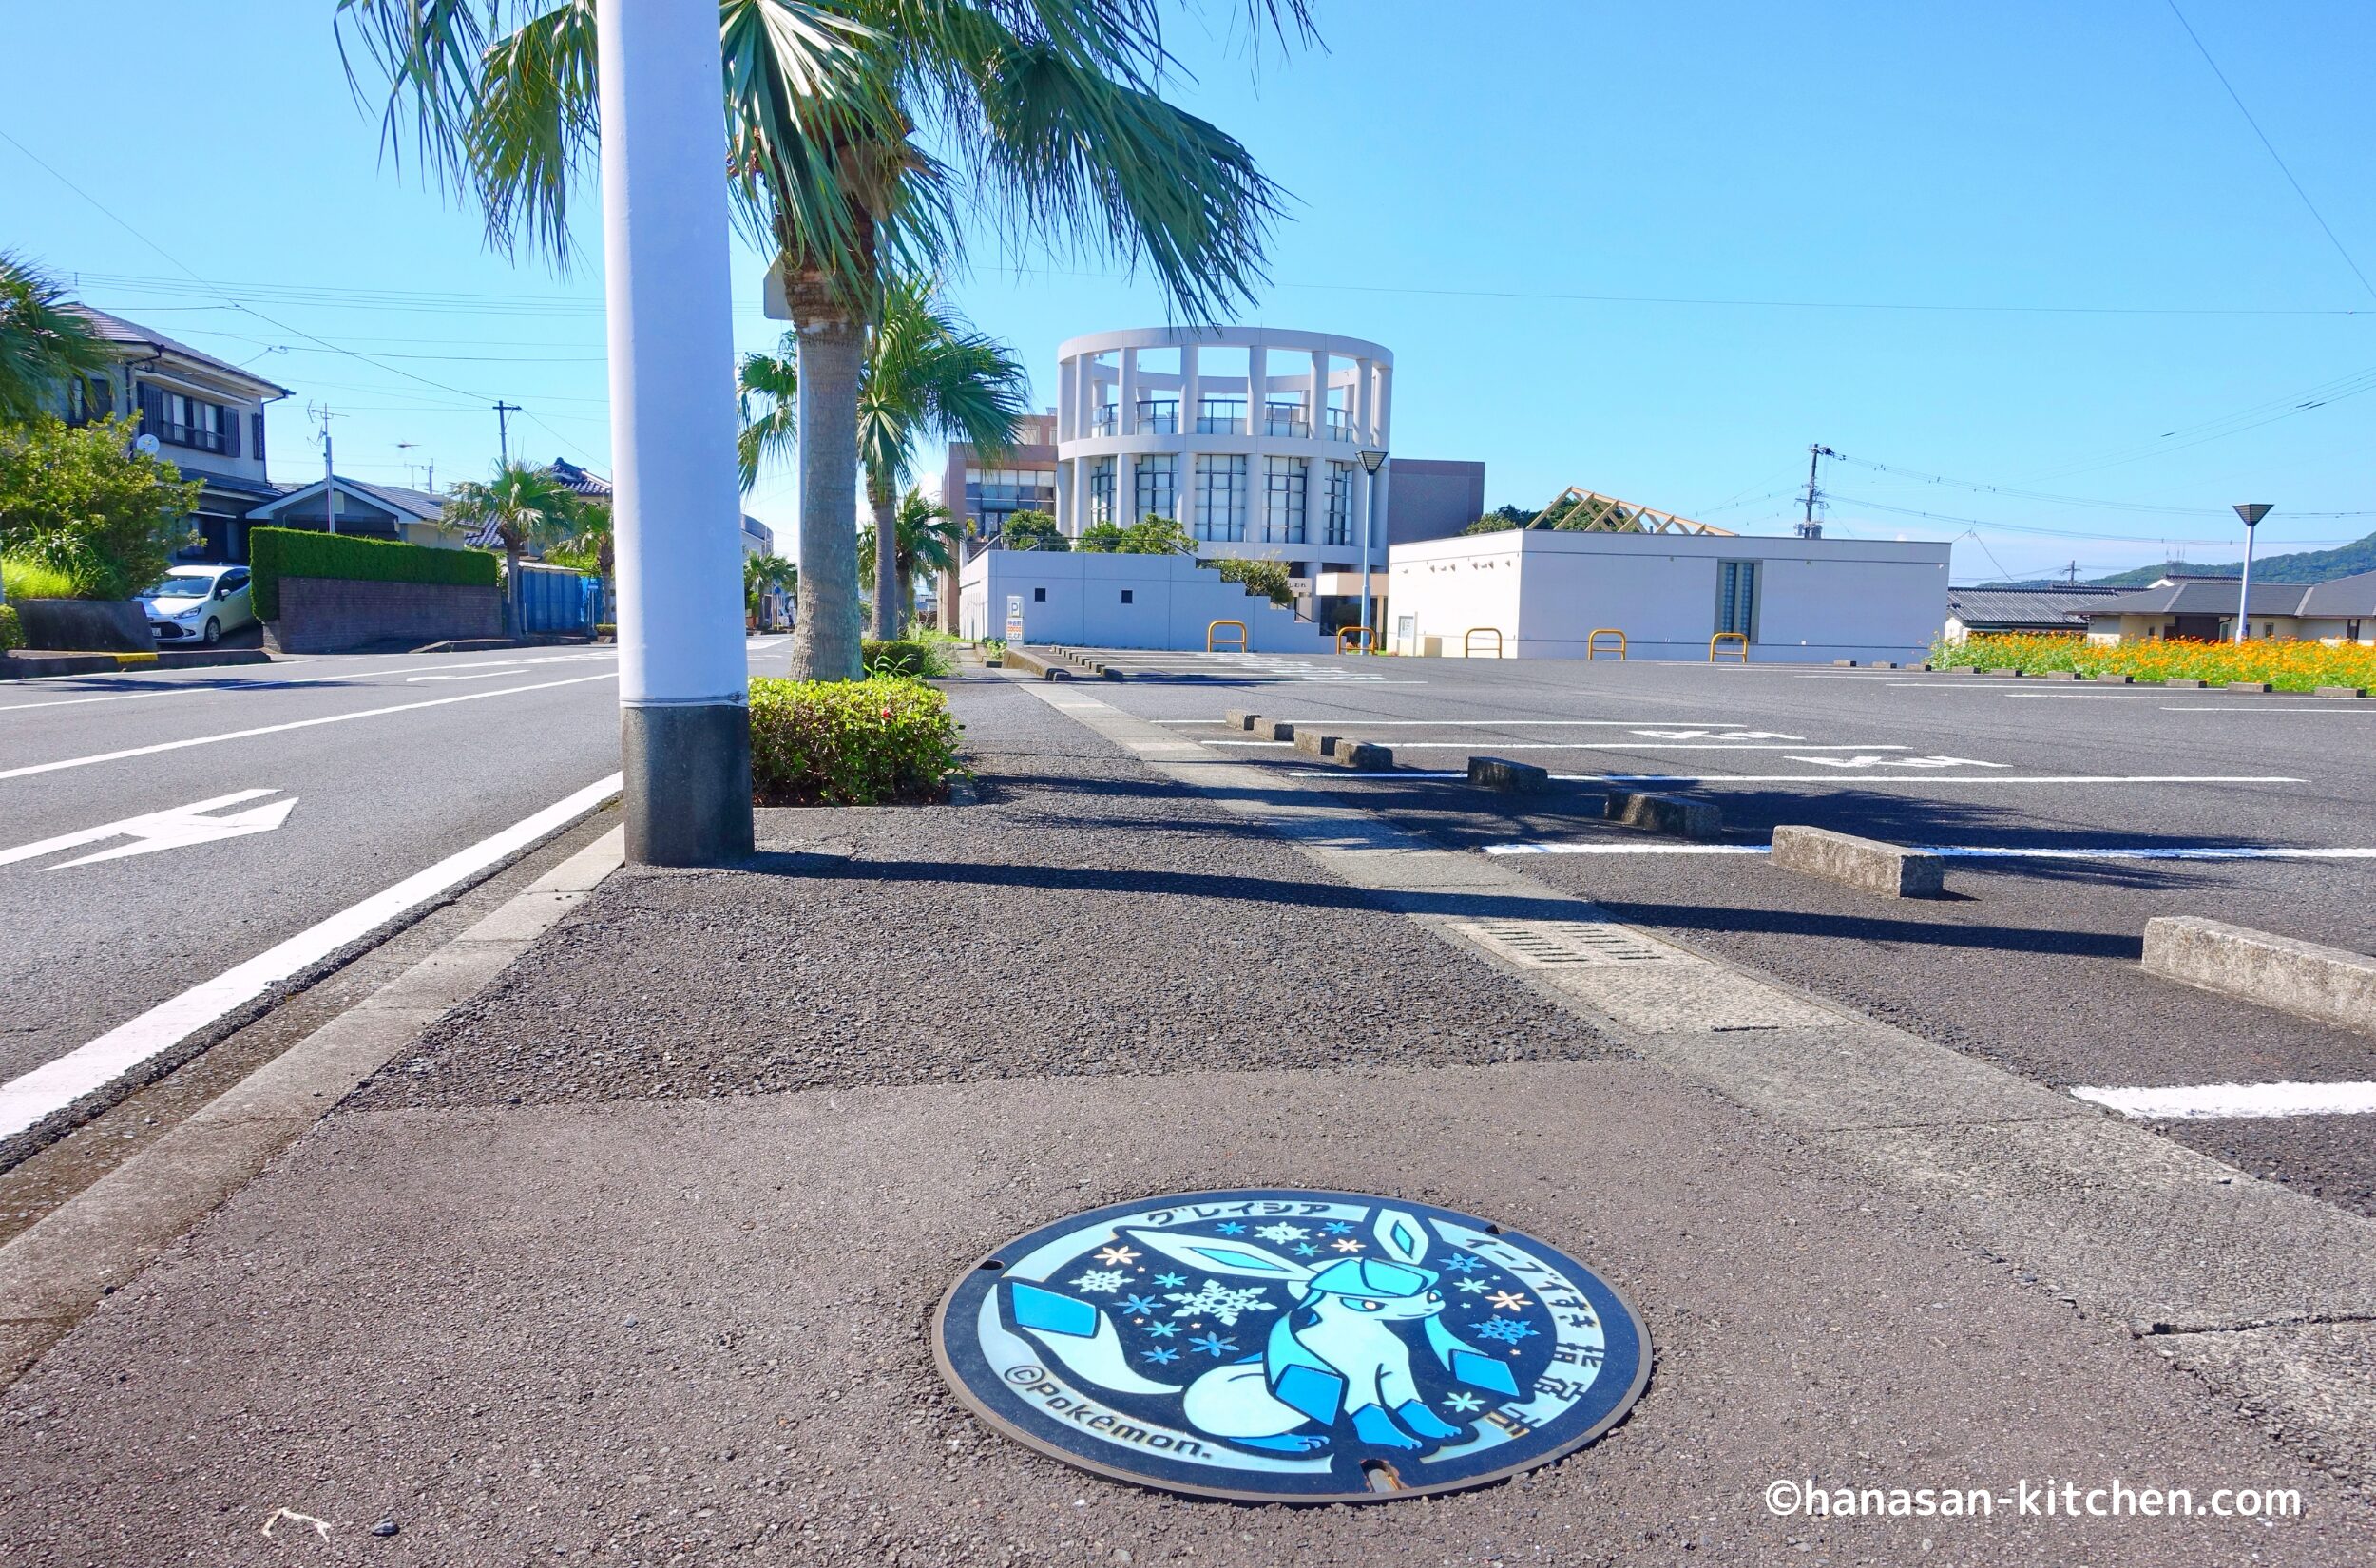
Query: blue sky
(1655, 251)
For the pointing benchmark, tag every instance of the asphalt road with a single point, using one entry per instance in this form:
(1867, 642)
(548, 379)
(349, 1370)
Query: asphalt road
(2029, 963)
(354, 773)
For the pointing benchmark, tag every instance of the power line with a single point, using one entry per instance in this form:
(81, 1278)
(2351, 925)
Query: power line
(2274, 156)
(2052, 533)
(2015, 493)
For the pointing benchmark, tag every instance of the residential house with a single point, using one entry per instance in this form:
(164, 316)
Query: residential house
(2341, 609)
(368, 512)
(2058, 611)
(206, 415)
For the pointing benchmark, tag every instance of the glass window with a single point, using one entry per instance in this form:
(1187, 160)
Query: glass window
(1158, 415)
(1102, 489)
(1157, 481)
(1285, 482)
(1340, 513)
(1221, 416)
(1284, 416)
(1736, 598)
(1221, 498)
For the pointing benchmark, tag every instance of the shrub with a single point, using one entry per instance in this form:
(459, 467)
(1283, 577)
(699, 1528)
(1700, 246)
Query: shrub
(82, 502)
(1101, 538)
(11, 630)
(1262, 577)
(275, 553)
(916, 658)
(849, 742)
(1034, 531)
(21, 579)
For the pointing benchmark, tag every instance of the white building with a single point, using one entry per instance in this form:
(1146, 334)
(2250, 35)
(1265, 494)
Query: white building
(1092, 600)
(1545, 591)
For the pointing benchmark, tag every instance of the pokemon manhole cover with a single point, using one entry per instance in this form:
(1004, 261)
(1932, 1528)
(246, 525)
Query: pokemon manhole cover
(1292, 1347)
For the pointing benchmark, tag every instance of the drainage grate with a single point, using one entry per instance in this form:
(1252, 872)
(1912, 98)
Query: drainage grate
(1566, 942)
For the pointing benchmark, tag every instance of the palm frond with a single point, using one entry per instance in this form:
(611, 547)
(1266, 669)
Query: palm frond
(767, 398)
(43, 342)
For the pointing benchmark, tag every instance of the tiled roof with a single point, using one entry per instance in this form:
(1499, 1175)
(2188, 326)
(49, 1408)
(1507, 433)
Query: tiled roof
(2354, 595)
(2201, 597)
(115, 329)
(2055, 607)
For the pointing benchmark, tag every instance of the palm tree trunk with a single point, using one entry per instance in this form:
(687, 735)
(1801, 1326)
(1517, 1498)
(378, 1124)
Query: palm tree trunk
(512, 589)
(886, 504)
(908, 594)
(832, 347)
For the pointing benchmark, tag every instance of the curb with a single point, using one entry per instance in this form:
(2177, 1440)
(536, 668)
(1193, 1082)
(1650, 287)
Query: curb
(1701, 821)
(57, 1271)
(1865, 863)
(2330, 985)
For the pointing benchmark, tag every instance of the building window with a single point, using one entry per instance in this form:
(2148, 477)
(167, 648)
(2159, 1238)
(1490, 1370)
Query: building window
(1221, 416)
(2352, 630)
(993, 495)
(1340, 513)
(192, 422)
(1102, 489)
(1286, 481)
(1284, 416)
(1125, 596)
(1102, 419)
(88, 399)
(1156, 480)
(1221, 498)
(1159, 416)
(1736, 598)
(1039, 596)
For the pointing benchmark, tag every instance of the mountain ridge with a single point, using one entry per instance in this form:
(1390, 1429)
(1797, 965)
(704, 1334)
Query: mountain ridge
(2295, 567)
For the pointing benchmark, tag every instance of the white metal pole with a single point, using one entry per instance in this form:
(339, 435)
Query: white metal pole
(684, 676)
(2244, 589)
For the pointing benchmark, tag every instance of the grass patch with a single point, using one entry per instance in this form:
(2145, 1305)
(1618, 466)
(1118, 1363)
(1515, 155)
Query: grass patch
(2287, 664)
(23, 579)
(882, 741)
(917, 658)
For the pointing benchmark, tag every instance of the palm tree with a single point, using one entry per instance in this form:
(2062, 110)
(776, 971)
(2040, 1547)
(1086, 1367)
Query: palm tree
(524, 508)
(763, 575)
(43, 342)
(927, 373)
(925, 539)
(1051, 112)
(594, 541)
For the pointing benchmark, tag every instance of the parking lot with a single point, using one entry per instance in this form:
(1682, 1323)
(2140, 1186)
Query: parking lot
(2070, 815)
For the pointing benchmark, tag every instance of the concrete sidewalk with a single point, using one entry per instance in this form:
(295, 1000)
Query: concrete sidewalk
(633, 1259)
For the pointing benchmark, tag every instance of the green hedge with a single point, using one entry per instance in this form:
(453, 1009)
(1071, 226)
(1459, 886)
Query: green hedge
(915, 657)
(849, 742)
(275, 553)
(11, 630)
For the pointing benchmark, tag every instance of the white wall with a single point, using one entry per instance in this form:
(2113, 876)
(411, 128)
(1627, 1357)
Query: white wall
(1172, 602)
(1818, 599)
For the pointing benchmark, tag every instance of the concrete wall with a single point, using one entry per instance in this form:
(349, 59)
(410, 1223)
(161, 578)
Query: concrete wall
(1818, 599)
(1172, 601)
(334, 615)
(84, 626)
(1430, 498)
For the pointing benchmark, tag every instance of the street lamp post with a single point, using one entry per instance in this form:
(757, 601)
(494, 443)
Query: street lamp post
(2251, 511)
(1372, 459)
(683, 673)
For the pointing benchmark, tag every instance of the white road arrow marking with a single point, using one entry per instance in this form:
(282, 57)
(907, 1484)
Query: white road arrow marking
(171, 829)
(1868, 759)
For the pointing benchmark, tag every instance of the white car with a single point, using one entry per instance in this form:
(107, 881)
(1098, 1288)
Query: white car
(199, 604)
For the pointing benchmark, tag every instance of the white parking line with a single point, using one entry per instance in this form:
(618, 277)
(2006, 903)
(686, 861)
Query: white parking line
(1858, 780)
(1472, 723)
(96, 1063)
(2207, 1101)
(1595, 746)
(1981, 851)
(293, 724)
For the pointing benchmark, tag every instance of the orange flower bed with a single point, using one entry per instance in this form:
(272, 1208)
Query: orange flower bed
(2288, 666)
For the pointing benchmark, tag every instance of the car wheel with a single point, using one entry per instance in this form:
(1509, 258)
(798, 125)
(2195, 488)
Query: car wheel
(214, 631)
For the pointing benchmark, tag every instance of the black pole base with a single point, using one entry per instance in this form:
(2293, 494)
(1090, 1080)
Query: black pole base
(687, 783)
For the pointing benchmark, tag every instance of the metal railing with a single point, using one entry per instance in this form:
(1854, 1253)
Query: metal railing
(1285, 424)
(1739, 639)
(1361, 634)
(1469, 642)
(1213, 629)
(1104, 420)
(1158, 418)
(1592, 643)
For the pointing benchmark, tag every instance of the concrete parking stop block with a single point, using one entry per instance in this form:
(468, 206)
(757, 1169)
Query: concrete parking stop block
(2187, 685)
(1365, 754)
(1667, 814)
(1865, 863)
(1274, 729)
(2341, 691)
(2007, 673)
(2117, 679)
(2331, 985)
(1495, 773)
(1238, 718)
(2248, 686)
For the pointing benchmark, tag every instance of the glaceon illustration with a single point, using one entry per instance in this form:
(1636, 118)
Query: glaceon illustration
(1291, 1343)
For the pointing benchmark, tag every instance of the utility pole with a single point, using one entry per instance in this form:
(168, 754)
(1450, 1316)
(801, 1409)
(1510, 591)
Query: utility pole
(330, 474)
(2073, 569)
(1808, 528)
(684, 671)
(503, 428)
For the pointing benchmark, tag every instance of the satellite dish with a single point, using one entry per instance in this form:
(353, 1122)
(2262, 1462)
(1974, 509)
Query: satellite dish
(146, 445)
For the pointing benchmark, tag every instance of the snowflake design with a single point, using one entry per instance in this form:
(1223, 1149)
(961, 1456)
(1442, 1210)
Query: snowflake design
(1506, 1301)
(1107, 1280)
(1510, 1330)
(1139, 1306)
(1282, 1231)
(1463, 1403)
(1163, 1330)
(1212, 1345)
(1474, 1286)
(1162, 1356)
(1305, 1249)
(1337, 1228)
(1230, 1228)
(1217, 1300)
(1463, 1263)
(1171, 1279)
(1348, 1245)
(1118, 1255)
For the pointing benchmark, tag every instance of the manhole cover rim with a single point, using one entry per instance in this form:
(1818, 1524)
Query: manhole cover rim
(1001, 1424)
